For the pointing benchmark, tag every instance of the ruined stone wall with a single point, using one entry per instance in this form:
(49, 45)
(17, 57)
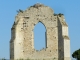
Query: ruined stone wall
(22, 40)
(63, 39)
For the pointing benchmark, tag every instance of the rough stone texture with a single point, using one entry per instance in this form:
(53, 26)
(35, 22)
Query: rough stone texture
(22, 35)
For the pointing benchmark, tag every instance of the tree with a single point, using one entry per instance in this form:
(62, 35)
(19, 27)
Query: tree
(76, 54)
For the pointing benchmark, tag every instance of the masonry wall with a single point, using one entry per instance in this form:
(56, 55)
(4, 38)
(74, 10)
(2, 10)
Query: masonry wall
(22, 40)
(64, 41)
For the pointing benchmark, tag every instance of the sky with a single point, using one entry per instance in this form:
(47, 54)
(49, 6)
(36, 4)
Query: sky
(8, 11)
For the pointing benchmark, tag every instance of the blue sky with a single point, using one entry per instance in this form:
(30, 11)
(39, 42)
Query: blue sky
(8, 8)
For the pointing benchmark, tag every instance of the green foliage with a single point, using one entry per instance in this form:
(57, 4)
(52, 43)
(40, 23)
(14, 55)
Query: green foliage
(20, 59)
(23, 59)
(76, 54)
(28, 59)
(60, 14)
(20, 11)
(3, 59)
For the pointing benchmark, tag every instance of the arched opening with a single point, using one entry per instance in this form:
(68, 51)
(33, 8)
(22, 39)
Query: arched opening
(40, 41)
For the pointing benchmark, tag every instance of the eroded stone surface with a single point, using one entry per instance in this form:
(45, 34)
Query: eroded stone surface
(22, 38)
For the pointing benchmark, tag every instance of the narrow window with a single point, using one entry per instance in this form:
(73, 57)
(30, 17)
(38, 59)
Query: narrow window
(40, 36)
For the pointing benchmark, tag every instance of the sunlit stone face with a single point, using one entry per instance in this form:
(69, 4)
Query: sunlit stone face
(22, 39)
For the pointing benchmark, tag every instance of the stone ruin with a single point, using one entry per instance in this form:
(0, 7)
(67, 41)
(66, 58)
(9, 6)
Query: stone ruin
(22, 35)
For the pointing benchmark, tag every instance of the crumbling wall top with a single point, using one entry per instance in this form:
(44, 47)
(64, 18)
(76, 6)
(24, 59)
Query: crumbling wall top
(37, 5)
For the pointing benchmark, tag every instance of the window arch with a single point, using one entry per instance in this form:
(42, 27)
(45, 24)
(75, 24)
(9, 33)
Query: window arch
(40, 41)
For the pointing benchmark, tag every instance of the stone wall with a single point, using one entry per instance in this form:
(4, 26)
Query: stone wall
(22, 40)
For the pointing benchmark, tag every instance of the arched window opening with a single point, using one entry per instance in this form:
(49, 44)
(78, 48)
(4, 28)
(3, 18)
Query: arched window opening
(40, 41)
